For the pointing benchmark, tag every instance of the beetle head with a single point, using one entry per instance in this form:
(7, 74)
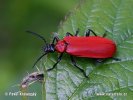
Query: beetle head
(49, 48)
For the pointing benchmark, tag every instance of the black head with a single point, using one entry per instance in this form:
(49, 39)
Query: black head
(49, 48)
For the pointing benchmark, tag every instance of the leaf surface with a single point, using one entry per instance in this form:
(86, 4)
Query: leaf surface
(109, 80)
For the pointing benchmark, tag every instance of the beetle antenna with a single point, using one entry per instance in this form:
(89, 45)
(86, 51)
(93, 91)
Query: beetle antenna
(39, 59)
(36, 34)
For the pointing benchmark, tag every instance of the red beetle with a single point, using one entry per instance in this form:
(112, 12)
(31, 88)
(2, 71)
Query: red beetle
(86, 46)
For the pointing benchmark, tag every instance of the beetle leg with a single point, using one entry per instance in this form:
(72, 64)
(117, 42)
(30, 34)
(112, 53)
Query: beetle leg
(58, 60)
(39, 59)
(74, 63)
(77, 32)
(68, 34)
(55, 39)
(116, 59)
(99, 60)
(104, 35)
(88, 32)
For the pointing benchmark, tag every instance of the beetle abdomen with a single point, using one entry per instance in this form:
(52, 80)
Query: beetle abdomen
(91, 47)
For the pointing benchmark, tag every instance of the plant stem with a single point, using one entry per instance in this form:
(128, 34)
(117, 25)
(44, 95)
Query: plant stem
(43, 91)
(24, 90)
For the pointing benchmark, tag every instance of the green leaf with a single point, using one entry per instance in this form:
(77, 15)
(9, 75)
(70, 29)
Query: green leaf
(109, 80)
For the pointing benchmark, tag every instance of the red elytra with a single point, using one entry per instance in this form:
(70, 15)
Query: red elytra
(91, 47)
(80, 46)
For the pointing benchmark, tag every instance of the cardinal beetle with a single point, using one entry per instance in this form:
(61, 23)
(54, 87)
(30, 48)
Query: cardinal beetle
(80, 46)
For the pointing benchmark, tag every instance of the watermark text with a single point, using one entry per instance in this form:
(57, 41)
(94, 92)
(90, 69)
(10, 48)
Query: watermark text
(111, 94)
(19, 93)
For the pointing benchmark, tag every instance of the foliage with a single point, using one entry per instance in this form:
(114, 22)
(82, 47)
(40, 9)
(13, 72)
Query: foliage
(66, 82)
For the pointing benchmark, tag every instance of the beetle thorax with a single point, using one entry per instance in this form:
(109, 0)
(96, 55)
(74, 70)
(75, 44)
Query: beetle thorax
(60, 46)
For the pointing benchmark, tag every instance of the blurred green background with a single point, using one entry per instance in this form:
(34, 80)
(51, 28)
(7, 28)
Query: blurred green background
(18, 49)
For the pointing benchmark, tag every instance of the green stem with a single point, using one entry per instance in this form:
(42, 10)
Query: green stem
(43, 91)
(24, 90)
